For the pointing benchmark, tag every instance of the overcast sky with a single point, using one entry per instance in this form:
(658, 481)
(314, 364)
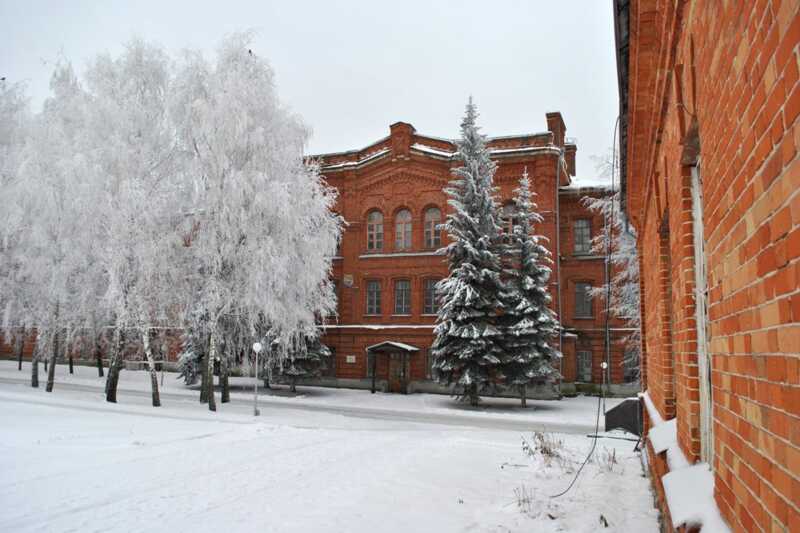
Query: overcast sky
(352, 68)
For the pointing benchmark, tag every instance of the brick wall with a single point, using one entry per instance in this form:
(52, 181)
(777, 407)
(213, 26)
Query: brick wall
(715, 84)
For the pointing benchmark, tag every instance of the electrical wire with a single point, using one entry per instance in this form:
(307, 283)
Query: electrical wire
(607, 370)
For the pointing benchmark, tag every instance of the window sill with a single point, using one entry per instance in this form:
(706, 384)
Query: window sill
(429, 314)
(583, 318)
(403, 315)
(370, 255)
(373, 316)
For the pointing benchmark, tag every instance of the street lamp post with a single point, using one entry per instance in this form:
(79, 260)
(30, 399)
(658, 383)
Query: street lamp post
(256, 348)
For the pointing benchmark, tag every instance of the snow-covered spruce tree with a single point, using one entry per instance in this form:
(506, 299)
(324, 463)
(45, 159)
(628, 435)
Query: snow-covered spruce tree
(529, 325)
(618, 240)
(467, 347)
(265, 230)
(306, 359)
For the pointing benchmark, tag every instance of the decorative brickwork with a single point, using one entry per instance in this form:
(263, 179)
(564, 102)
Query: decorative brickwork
(712, 88)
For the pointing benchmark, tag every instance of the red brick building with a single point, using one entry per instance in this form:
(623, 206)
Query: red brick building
(709, 105)
(391, 196)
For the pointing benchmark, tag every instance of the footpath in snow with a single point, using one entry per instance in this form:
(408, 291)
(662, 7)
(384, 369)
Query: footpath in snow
(72, 462)
(570, 415)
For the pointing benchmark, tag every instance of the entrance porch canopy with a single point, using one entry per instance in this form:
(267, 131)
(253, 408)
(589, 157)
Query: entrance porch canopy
(391, 346)
(388, 348)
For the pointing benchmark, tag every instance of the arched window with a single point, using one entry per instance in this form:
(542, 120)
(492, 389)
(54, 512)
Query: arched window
(402, 230)
(375, 231)
(433, 217)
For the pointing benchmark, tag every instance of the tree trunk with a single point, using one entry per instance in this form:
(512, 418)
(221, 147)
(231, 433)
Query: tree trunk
(152, 364)
(203, 384)
(20, 348)
(51, 371)
(223, 379)
(473, 395)
(35, 363)
(98, 355)
(68, 349)
(523, 394)
(113, 367)
(212, 354)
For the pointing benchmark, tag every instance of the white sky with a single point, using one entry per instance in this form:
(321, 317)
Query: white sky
(352, 68)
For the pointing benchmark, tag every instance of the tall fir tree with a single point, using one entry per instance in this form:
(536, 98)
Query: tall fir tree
(307, 360)
(529, 325)
(467, 348)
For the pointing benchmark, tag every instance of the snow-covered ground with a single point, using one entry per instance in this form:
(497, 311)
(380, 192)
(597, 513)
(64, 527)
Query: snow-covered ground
(327, 461)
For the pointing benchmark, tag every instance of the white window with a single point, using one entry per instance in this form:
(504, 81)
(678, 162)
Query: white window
(375, 231)
(701, 311)
(373, 297)
(582, 231)
(583, 300)
(509, 220)
(433, 238)
(402, 230)
(431, 306)
(402, 297)
(584, 366)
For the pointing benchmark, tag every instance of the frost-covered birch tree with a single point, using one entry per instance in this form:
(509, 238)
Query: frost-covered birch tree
(140, 193)
(467, 346)
(53, 257)
(14, 125)
(265, 230)
(529, 325)
(618, 240)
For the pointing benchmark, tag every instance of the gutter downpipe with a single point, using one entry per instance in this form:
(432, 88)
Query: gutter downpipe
(559, 165)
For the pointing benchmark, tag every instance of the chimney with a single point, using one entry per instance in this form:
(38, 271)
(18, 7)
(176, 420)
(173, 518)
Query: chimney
(569, 156)
(555, 125)
(401, 135)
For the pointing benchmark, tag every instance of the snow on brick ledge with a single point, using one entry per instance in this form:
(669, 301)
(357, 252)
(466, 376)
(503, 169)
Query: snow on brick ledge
(689, 488)
(690, 498)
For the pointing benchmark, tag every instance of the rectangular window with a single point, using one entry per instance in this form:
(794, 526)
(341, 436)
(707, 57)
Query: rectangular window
(402, 297)
(582, 232)
(373, 297)
(431, 306)
(584, 366)
(583, 300)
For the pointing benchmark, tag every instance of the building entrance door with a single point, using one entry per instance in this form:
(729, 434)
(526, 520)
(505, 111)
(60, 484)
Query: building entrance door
(398, 372)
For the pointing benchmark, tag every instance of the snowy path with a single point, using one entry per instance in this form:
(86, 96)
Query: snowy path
(72, 462)
(571, 415)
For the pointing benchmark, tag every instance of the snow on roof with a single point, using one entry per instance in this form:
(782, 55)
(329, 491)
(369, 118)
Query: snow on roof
(399, 345)
(588, 182)
(497, 151)
(350, 164)
(690, 498)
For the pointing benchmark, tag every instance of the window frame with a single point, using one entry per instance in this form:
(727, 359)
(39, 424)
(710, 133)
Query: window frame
(377, 304)
(375, 232)
(403, 230)
(432, 233)
(435, 304)
(406, 310)
(579, 366)
(585, 241)
(588, 302)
